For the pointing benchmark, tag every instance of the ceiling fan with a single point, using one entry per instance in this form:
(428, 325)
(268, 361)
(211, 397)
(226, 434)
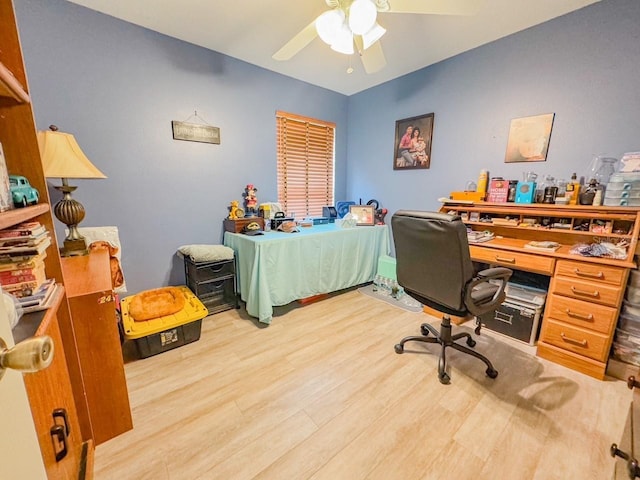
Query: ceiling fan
(351, 26)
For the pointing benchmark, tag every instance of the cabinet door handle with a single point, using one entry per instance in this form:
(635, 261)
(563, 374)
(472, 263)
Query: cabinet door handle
(587, 318)
(581, 343)
(62, 413)
(57, 434)
(594, 294)
(505, 260)
(588, 274)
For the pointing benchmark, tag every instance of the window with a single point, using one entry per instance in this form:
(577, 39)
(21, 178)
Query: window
(305, 164)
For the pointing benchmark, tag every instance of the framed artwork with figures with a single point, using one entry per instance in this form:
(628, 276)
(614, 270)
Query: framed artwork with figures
(412, 148)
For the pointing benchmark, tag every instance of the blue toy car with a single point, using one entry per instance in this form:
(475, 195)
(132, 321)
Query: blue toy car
(22, 192)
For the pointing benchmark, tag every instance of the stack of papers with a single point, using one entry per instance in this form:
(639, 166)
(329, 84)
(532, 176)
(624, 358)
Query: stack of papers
(479, 237)
(545, 246)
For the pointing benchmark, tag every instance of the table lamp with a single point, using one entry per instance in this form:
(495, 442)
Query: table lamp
(62, 158)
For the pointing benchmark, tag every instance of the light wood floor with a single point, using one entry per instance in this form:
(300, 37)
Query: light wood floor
(320, 394)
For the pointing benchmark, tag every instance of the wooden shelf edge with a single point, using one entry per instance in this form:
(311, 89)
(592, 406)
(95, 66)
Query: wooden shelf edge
(10, 87)
(19, 215)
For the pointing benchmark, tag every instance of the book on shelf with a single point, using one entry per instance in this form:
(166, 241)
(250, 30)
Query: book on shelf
(22, 289)
(26, 250)
(8, 264)
(544, 246)
(40, 300)
(22, 240)
(23, 229)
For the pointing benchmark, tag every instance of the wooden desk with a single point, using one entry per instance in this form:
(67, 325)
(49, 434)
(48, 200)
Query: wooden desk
(585, 293)
(91, 300)
(277, 268)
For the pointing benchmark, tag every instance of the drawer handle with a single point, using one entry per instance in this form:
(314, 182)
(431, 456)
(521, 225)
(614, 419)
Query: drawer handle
(587, 318)
(505, 260)
(581, 343)
(588, 274)
(594, 294)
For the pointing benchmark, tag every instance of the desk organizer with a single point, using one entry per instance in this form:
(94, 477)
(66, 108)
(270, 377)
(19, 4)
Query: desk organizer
(213, 283)
(160, 334)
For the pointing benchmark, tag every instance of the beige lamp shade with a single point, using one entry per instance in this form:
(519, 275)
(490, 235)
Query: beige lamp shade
(62, 157)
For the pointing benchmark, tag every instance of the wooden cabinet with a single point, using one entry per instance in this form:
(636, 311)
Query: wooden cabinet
(52, 403)
(92, 304)
(60, 386)
(585, 293)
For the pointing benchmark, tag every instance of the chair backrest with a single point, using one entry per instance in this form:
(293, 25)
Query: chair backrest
(432, 258)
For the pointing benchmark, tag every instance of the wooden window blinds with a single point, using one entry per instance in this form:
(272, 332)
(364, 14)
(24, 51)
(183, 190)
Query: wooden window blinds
(305, 164)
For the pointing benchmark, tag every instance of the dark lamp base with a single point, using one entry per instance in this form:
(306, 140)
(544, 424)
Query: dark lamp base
(74, 248)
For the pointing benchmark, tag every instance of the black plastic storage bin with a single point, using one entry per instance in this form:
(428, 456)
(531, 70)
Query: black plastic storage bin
(169, 339)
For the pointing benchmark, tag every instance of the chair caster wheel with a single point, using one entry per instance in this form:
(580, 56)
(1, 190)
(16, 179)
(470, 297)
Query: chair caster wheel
(444, 379)
(424, 330)
(471, 342)
(491, 373)
(398, 348)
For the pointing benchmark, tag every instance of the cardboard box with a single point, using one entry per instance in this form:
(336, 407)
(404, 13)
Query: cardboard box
(498, 190)
(473, 196)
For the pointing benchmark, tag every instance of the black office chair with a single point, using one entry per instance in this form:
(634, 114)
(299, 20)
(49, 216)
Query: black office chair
(435, 268)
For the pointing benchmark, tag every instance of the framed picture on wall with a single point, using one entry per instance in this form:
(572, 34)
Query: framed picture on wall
(412, 147)
(364, 214)
(529, 138)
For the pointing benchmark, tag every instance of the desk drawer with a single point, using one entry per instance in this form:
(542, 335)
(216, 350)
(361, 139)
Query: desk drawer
(521, 261)
(587, 291)
(591, 271)
(590, 344)
(583, 314)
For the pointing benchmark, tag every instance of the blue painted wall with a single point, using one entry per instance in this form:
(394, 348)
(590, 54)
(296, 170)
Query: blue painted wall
(584, 67)
(117, 87)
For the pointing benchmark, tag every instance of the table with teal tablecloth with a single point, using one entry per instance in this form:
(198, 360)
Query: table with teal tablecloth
(277, 268)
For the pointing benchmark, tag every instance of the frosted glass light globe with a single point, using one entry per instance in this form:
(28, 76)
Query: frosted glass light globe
(328, 25)
(362, 16)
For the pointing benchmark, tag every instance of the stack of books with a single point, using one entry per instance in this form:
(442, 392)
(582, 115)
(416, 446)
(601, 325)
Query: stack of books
(22, 272)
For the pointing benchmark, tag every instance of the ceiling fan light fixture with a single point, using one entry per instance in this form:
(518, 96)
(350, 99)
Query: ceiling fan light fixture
(373, 35)
(328, 24)
(343, 42)
(362, 16)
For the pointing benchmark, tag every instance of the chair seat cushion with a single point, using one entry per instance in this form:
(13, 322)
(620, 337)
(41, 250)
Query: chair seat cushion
(206, 253)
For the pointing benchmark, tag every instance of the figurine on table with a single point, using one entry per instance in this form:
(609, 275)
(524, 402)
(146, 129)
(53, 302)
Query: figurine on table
(251, 201)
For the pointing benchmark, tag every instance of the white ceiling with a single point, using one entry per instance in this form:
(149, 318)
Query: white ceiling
(253, 30)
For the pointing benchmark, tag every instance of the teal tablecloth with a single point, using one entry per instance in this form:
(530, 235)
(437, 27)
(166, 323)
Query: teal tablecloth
(277, 268)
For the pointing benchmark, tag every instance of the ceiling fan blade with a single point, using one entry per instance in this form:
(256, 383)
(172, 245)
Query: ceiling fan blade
(373, 58)
(297, 43)
(436, 7)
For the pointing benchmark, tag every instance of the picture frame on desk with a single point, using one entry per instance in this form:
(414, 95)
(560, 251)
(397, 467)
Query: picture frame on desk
(364, 214)
(412, 148)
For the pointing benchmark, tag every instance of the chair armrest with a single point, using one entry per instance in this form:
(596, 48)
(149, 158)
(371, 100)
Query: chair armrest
(494, 273)
(500, 274)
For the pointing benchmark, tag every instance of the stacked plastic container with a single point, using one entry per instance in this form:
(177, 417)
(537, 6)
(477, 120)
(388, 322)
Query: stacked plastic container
(626, 344)
(623, 189)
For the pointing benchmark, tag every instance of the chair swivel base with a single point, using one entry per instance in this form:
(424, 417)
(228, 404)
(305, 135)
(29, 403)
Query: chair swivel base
(446, 339)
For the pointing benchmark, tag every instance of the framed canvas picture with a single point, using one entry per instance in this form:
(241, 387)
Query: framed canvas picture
(363, 214)
(529, 138)
(412, 149)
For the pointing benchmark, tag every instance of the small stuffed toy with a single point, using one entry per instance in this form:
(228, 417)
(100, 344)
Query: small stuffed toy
(250, 200)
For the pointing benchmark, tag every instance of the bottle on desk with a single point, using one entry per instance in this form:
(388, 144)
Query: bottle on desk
(483, 180)
(573, 189)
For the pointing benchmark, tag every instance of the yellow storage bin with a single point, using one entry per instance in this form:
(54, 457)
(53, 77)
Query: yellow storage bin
(160, 334)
